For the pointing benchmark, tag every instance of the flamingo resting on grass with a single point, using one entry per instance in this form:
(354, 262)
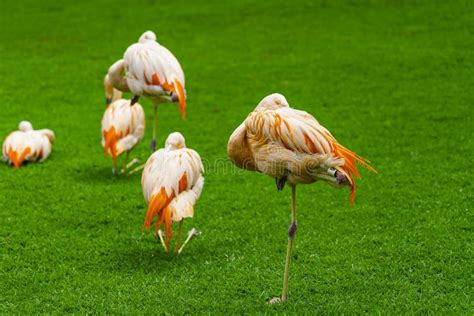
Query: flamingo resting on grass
(151, 70)
(172, 182)
(292, 147)
(27, 145)
(123, 126)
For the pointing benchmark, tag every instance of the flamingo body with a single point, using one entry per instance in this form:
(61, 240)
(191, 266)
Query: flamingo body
(123, 127)
(153, 71)
(290, 144)
(150, 69)
(27, 144)
(172, 182)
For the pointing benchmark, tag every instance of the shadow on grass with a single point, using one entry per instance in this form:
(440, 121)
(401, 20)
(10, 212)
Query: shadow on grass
(149, 256)
(92, 173)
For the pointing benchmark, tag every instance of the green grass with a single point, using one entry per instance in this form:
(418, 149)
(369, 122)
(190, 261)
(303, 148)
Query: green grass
(392, 80)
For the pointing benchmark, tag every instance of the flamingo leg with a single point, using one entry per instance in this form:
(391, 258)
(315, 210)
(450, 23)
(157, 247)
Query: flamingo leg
(193, 232)
(178, 238)
(125, 164)
(130, 164)
(291, 237)
(163, 243)
(114, 166)
(136, 169)
(155, 127)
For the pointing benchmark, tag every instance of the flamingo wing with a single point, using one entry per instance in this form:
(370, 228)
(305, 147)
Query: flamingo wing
(154, 71)
(300, 132)
(295, 130)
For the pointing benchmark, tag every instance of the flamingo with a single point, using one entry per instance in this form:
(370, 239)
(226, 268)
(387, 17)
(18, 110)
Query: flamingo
(123, 125)
(27, 145)
(172, 182)
(150, 69)
(292, 147)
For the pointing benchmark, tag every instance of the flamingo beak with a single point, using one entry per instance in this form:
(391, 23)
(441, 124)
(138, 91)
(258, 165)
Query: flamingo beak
(174, 97)
(134, 99)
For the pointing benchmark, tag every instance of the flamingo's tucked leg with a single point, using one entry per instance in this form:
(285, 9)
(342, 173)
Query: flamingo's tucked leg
(280, 183)
(138, 168)
(131, 164)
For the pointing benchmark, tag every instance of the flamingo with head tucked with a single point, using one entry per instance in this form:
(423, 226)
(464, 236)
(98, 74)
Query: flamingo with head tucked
(172, 181)
(123, 125)
(151, 70)
(27, 145)
(292, 147)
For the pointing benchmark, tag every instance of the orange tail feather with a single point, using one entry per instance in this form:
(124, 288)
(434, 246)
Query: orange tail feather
(16, 159)
(111, 137)
(350, 167)
(179, 90)
(158, 207)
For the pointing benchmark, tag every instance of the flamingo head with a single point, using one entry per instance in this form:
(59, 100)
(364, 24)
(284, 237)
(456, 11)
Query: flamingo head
(175, 141)
(147, 36)
(273, 101)
(25, 126)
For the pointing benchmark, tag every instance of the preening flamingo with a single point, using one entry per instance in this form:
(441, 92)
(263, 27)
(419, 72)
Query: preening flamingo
(150, 69)
(123, 125)
(172, 182)
(27, 145)
(292, 147)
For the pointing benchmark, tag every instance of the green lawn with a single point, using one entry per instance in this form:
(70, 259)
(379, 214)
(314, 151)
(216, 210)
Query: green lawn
(392, 80)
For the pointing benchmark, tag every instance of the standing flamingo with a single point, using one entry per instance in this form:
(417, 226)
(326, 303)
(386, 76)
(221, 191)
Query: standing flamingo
(172, 182)
(292, 147)
(27, 145)
(150, 69)
(123, 125)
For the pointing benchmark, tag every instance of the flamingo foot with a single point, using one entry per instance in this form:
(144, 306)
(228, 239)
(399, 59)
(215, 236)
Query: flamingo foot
(277, 300)
(129, 165)
(193, 232)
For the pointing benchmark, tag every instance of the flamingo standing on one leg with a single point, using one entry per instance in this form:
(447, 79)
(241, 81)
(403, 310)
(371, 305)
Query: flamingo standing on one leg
(172, 182)
(123, 125)
(150, 69)
(27, 145)
(292, 147)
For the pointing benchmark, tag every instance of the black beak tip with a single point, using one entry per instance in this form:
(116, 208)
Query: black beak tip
(134, 99)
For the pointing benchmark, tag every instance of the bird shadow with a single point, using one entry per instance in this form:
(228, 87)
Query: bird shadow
(91, 173)
(149, 256)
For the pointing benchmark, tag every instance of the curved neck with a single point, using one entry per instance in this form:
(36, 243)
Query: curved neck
(116, 76)
(239, 150)
(111, 94)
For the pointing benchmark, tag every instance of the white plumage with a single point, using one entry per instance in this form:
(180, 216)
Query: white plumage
(27, 145)
(153, 71)
(123, 125)
(172, 182)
